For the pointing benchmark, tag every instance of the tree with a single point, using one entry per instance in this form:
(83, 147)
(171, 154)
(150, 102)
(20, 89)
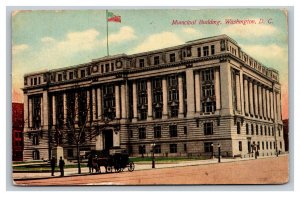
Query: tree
(78, 124)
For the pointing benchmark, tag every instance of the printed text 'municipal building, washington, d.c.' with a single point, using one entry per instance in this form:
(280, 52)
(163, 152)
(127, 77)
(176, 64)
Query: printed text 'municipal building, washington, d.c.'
(187, 99)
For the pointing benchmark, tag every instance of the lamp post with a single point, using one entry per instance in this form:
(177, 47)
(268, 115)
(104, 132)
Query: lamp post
(219, 151)
(212, 151)
(153, 158)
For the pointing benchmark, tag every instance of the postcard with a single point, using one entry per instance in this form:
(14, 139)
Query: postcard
(150, 97)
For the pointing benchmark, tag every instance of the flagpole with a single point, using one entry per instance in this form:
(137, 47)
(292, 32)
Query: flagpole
(107, 33)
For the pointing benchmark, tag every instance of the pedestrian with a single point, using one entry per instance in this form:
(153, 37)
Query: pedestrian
(61, 166)
(90, 164)
(53, 164)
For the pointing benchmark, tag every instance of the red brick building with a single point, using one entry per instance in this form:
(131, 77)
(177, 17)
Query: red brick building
(17, 131)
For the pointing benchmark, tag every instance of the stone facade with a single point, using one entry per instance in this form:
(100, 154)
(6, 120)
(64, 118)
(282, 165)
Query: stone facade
(186, 99)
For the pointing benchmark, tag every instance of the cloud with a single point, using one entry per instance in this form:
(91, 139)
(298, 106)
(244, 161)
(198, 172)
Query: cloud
(158, 41)
(126, 33)
(272, 53)
(192, 31)
(247, 31)
(47, 39)
(19, 48)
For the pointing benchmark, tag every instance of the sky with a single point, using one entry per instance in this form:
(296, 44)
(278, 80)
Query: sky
(44, 40)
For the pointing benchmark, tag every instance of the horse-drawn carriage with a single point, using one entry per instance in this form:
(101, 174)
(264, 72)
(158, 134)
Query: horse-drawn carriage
(116, 162)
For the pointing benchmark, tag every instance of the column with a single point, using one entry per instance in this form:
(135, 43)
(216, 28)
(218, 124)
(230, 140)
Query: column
(116, 138)
(197, 92)
(99, 103)
(275, 105)
(268, 103)
(94, 92)
(88, 106)
(117, 97)
(242, 93)
(165, 98)
(246, 96)
(123, 101)
(217, 89)
(251, 97)
(30, 113)
(26, 117)
(260, 101)
(65, 107)
(149, 99)
(181, 100)
(76, 108)
(272, 105)
(190, 93)
(53, 110)
(134, 99)
(238, 93)
(279, 106)
(264, 103)
(41, 107)
(255, 100)
(226, 89)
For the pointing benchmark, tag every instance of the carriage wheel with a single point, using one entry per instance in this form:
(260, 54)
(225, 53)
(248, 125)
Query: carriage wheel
(108, 169)
(131, 166)
(117, 168)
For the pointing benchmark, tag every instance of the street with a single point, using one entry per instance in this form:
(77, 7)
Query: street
(271, 170)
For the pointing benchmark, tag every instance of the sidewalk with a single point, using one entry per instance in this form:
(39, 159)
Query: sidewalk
(138, 166)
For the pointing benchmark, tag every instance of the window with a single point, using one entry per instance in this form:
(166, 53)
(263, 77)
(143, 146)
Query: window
(208, 147)
(205, 51)
(256, 129)
(270, 145)
(172, 57)
(261, 130)
(31, 81)
(238, 127)
(208, 128)
(59, 77)
(112, 66)
(106, 67)
(142, 149)
(265, 130)
(39, 80)
(157, 149)
(102, 68)
(240, 146)
(263, 145)
(156, 60)
(212, 49)
(185, 130)
(208, 74)
(142, 63)
(272, 131)
(184, 147)
(70, 153)
(70, 75)
(82, 73)
(157, 131)
(142, 133)
(35, 155)
(35, 139)
(267, 145)
(252, 129)
(222, 45)
(269, 131)
(173, 148)
(188, 52)
(279, 132)
(280, 145)
(199, 51)
(258, 145)
(130, 133)
(173, 130)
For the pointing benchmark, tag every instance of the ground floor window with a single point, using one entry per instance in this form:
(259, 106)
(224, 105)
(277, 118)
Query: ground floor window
(240, 146)
(142, 149)
(70, 153)
(208, 147)
(35, 155)
(157, 149)
(173, 148)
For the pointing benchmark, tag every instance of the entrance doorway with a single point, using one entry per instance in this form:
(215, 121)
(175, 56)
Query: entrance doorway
(107, 140)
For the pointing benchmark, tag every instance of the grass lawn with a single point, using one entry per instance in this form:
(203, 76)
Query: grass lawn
(43, 167)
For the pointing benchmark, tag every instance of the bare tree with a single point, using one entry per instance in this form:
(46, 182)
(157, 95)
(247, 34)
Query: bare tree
(78, 126)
